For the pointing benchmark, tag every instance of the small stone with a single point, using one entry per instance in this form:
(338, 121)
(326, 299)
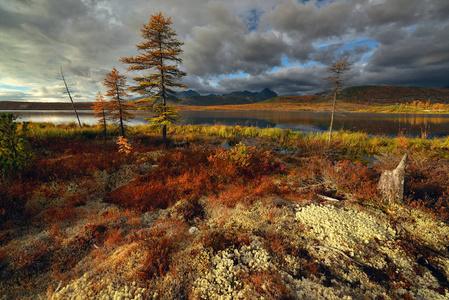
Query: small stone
(193, 230)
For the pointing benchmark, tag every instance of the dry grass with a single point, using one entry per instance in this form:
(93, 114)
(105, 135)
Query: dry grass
(178, 223)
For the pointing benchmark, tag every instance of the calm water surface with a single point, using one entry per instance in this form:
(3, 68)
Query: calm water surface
(435, 125)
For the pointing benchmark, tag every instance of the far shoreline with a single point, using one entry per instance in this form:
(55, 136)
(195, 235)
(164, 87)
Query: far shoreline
(344, 107)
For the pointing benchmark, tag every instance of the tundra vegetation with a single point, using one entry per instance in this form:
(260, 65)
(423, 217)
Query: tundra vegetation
(236, 212)
(214, 212)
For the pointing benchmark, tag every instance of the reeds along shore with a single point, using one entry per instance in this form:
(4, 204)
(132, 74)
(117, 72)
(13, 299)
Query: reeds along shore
(237, 212)
(344, 142)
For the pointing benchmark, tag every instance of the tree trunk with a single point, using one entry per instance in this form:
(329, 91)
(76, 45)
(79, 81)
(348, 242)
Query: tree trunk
(70, 96)
(332, 115)
(392, 182)
(164, 100)
(121, 124)
(164, 133)
(104, 123)
(120, 111)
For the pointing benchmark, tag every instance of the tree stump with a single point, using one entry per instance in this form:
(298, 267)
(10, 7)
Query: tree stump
(392, 182)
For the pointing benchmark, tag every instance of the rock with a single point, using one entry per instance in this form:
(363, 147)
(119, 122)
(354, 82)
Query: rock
(193, 230)
(392, 182)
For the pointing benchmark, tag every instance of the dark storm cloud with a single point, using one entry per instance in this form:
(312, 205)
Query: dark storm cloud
(227, 46)
(391, 42)
(289, 81)
(331, 53)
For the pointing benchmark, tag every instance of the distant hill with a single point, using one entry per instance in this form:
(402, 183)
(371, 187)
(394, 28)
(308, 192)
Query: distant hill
(263, 95)
(364, 95)
(188, 93)
(20, 105)
(245, 97)
(393, 94)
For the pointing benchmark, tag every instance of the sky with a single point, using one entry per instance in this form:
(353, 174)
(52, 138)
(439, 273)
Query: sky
(229, 45)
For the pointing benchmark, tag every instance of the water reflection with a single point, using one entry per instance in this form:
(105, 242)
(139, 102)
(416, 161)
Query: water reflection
(388, 124)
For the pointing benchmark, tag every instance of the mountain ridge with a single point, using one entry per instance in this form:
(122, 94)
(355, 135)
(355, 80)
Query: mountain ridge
(368, 94)
(191, 97)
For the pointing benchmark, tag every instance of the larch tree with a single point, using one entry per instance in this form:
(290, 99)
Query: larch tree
(159, 54)
(100, 108)
(116, 92)
(336, 80)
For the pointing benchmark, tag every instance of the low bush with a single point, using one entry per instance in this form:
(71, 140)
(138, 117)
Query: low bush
(161, 243)
(427, 183)
(15, 151)
(13, 197)
(194, 172)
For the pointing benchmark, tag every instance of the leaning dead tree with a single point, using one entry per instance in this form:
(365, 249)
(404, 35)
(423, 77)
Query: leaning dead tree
(70, 96)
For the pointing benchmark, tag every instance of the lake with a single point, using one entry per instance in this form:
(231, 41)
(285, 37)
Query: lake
(435, 125)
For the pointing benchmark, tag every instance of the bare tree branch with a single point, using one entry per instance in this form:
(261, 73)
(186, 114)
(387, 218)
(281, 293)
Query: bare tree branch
(336, 80)
(70, 96)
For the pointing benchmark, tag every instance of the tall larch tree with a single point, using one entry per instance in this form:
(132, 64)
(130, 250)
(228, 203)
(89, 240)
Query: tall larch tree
(100, 108)
(117, 92)
(336, 81)
(159, 54)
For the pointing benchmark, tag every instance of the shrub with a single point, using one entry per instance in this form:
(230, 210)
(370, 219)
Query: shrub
(13, 195)
(355, 179)
(161, 243)
(426, 182)
(244, 162)
(194, 172)
(15, 151)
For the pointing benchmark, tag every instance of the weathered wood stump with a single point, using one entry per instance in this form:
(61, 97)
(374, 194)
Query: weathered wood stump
(392, 182)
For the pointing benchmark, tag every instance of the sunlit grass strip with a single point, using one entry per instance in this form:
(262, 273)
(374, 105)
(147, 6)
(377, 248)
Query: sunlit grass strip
(45, 131)
(402, 108)
(345, 142)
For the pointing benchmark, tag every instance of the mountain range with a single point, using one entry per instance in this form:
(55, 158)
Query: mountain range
(191, 97)
(374, 95)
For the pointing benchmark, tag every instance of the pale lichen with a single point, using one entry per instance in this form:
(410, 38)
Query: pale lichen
(342, 228)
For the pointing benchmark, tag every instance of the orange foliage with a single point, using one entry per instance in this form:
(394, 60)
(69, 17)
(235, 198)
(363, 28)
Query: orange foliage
(85, 160)
(59, 214)
(117, 93)
(13, 197)
(159, 48)
(223, 239)
(161, 242)
(193, 172)
(100, 108)
(160, 51)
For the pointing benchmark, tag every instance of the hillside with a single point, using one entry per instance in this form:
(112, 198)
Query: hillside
(394, 94)
(21, 105)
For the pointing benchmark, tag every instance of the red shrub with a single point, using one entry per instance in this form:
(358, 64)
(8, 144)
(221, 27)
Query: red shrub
(193, 172)
(427, 183)
(269, 284)
(13, 195)
(59, 214)
(355, 179)
(161, 243)
(223, 239)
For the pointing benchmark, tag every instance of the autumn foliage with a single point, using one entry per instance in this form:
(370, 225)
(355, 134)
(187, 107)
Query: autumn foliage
(100, 110)
(116, 92)
(194, 172)
(159, 53)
